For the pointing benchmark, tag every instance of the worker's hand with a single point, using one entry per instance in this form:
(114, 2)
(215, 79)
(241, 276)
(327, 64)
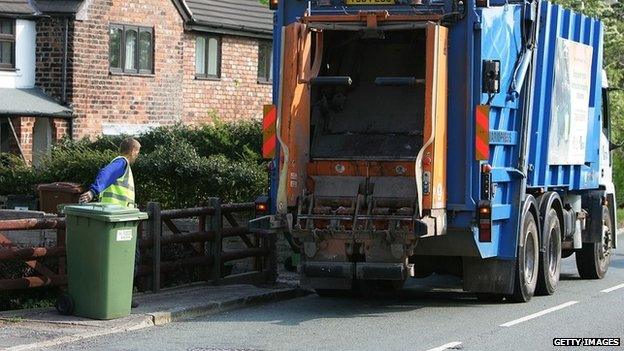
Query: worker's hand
(86, 197)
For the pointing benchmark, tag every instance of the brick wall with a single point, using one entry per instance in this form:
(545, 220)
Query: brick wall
(24, 129)
(60, 128)
(100, 97)
(171, 94)
(50, 55)
(236, 95)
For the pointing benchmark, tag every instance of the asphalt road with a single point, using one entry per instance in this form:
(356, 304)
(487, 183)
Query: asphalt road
(431, 314)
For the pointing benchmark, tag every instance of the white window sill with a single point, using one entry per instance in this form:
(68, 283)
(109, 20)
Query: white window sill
(10, 73)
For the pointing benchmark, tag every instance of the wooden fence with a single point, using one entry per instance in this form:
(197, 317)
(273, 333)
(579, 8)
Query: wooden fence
(205, 246)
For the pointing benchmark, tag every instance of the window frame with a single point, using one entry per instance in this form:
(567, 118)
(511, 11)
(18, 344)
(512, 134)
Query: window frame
(207, 37)
(9, 38)
(268, 77)
(122, 50)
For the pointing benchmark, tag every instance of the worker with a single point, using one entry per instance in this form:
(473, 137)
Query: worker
(114, 184)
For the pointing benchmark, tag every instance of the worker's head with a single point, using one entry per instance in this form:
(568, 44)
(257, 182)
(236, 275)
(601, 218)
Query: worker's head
(130, 148)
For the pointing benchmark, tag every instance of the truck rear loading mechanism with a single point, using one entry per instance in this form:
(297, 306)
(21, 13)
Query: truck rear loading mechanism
(458, 137)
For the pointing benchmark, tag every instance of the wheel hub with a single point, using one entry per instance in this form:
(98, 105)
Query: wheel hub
(529, 259)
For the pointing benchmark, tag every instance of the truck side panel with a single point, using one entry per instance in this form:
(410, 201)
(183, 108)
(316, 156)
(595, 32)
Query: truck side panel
(558, 23)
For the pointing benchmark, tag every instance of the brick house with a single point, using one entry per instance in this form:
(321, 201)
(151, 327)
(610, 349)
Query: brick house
(114, 66)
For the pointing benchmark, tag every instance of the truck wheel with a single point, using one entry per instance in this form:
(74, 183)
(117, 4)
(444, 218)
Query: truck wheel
(592, 261)
(65, 304)
(550, 259)
(527, 262)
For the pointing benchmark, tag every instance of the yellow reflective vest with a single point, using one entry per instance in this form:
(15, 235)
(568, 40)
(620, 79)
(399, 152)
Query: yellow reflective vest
(121, 192)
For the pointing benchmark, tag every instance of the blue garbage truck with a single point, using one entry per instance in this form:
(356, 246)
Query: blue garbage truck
(463, 137)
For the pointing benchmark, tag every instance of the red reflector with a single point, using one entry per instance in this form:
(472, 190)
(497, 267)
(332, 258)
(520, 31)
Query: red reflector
(273, 4)
(269, 132)
(485, 235)
(261, 207)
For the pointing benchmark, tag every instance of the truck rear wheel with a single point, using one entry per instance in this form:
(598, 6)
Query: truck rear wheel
(593, 260)
(550, 259)
(527, 262)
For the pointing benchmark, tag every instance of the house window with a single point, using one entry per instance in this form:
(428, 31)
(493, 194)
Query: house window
(7, 43)
(131, 49)
(207, 56)
(265, 62)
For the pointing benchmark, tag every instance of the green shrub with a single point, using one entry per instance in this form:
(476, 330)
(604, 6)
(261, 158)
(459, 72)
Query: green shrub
(177, 176)
(237, 141)
(77, 164)
(179, 166)
(16, 177)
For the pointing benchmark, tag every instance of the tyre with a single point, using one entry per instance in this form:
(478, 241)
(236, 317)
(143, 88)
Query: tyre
(593, 260)
(65, 304)
(527, 263)
(550, 259)
(490, 297)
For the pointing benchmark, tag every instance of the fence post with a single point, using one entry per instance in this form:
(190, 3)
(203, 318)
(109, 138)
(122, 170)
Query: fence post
(216, 247)
(271, 258)
(60, 242)
(155, 230)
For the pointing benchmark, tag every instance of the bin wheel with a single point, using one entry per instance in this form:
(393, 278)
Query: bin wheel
(65, 305)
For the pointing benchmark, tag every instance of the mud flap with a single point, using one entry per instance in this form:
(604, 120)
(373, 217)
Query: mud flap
(488, 275)
(592, 202)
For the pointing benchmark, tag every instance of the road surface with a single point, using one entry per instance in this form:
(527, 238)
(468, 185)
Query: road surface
(430, 314)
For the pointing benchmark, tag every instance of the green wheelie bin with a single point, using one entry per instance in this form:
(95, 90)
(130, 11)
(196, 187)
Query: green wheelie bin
(101, 244)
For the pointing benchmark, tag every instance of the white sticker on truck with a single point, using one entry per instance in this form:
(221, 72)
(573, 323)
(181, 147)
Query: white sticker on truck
(570, 103)
(124, 235)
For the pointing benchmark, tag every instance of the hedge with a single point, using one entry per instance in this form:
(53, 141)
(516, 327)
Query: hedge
(179, 166)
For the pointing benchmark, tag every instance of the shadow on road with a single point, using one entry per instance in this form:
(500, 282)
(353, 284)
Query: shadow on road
(435, 291)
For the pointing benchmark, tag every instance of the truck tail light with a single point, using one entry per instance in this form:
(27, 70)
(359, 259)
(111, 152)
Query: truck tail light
(484, 217)
(262, 205)
(273, 4)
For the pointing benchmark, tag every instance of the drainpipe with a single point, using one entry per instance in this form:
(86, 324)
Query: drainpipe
(70, 121)
(64, 82)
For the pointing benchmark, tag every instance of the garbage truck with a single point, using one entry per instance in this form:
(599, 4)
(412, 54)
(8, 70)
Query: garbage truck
(463, 137)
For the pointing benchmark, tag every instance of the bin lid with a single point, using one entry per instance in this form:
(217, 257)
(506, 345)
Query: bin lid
(105, 212)
(63, 187)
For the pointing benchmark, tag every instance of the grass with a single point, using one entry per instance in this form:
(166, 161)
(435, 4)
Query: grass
(620, 217)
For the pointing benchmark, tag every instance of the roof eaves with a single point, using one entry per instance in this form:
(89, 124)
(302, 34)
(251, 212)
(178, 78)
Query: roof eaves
(242, 29)
(184, 10)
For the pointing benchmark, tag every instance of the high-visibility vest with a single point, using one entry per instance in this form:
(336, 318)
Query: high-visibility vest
(121, 192)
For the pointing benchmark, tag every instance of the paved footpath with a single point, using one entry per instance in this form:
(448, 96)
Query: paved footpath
(429, 315)
(44, 328)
